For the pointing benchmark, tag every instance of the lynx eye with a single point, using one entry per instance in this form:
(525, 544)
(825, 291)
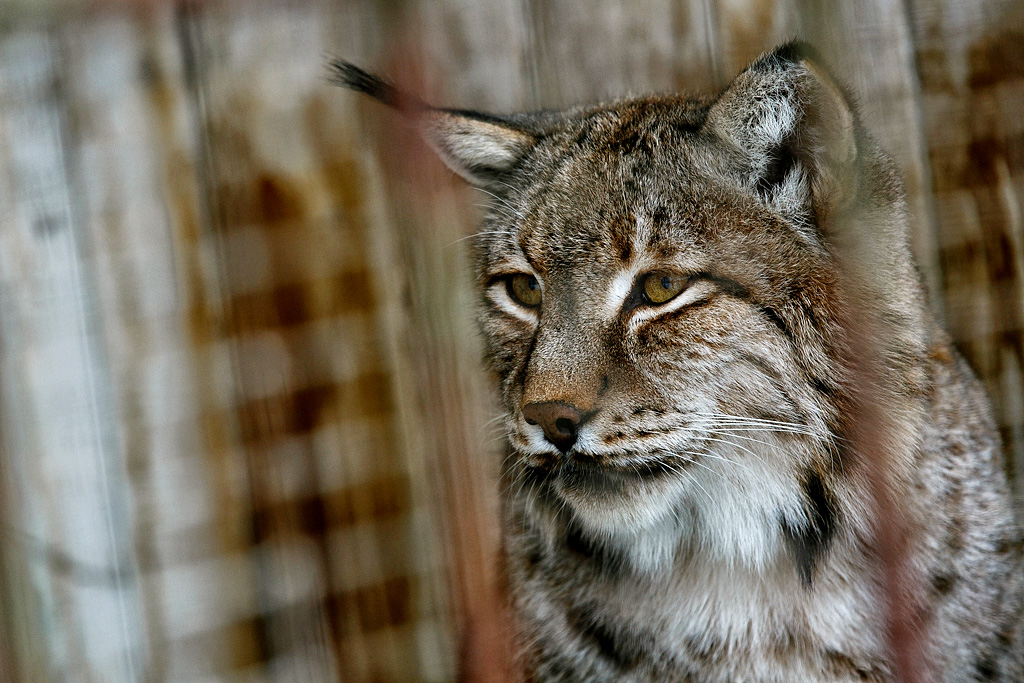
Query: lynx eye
(524, 289)
(661, 286)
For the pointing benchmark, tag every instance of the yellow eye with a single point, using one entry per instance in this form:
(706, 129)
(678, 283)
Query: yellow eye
(525, 289)
(660, 287)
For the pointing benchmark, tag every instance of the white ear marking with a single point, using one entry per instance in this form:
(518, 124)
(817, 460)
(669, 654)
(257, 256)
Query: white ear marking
(796, 130)
(474, 148)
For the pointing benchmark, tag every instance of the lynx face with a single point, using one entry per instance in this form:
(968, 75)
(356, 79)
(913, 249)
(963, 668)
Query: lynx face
(659, 306)
(654, 362)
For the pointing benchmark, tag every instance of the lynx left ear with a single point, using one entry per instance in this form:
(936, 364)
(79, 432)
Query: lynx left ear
(795, 129)
(479, 147)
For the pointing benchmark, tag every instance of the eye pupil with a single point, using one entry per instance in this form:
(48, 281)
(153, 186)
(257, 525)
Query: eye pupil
(661, 287)
(524, 289)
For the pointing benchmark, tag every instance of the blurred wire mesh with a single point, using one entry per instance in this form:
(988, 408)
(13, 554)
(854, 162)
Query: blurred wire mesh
(244, 430)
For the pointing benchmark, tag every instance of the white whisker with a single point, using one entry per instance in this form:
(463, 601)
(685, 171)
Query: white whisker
(503, 202)
(477, 234)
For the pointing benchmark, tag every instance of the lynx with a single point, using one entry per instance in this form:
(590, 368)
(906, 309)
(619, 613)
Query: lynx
(719, 366)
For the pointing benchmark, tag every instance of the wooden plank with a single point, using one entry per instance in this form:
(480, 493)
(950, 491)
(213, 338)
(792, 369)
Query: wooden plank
(613, 50)
(315, 388)
(972, 84)
(747, 28)
(67, 453)
(135, 143)
(478, 53)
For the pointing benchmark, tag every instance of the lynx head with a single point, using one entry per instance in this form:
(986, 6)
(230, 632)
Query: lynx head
(659, 302)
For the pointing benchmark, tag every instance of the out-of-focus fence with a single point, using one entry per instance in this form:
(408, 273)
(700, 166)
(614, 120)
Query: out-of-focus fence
(244, 430)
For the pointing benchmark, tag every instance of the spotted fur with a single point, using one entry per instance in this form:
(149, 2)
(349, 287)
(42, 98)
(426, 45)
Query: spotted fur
(715, 517)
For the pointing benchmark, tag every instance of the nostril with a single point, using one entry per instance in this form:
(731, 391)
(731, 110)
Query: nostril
(565, 426)
(559, 421)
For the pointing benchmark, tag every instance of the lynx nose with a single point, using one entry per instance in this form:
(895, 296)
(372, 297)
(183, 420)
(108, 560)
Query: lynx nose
(558, 420)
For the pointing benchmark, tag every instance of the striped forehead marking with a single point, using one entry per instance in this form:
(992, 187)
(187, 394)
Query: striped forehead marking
(622, 283)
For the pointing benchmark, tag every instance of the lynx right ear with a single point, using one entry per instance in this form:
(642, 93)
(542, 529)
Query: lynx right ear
(479, 147)
(796, 129)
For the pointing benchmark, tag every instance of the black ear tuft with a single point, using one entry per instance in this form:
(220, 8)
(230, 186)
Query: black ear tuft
(479, 147)
(796, 51)
(350, 76)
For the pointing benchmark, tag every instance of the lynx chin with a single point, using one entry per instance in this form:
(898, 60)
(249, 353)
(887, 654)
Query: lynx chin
(710, 338)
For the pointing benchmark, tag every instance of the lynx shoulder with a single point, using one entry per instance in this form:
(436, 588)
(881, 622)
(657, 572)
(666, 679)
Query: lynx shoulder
(729, 406)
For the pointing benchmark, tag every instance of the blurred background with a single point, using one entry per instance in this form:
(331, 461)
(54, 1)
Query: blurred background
(244, 434)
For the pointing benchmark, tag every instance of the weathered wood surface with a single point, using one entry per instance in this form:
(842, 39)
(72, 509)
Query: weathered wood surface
(243, 425)
(970, 63)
